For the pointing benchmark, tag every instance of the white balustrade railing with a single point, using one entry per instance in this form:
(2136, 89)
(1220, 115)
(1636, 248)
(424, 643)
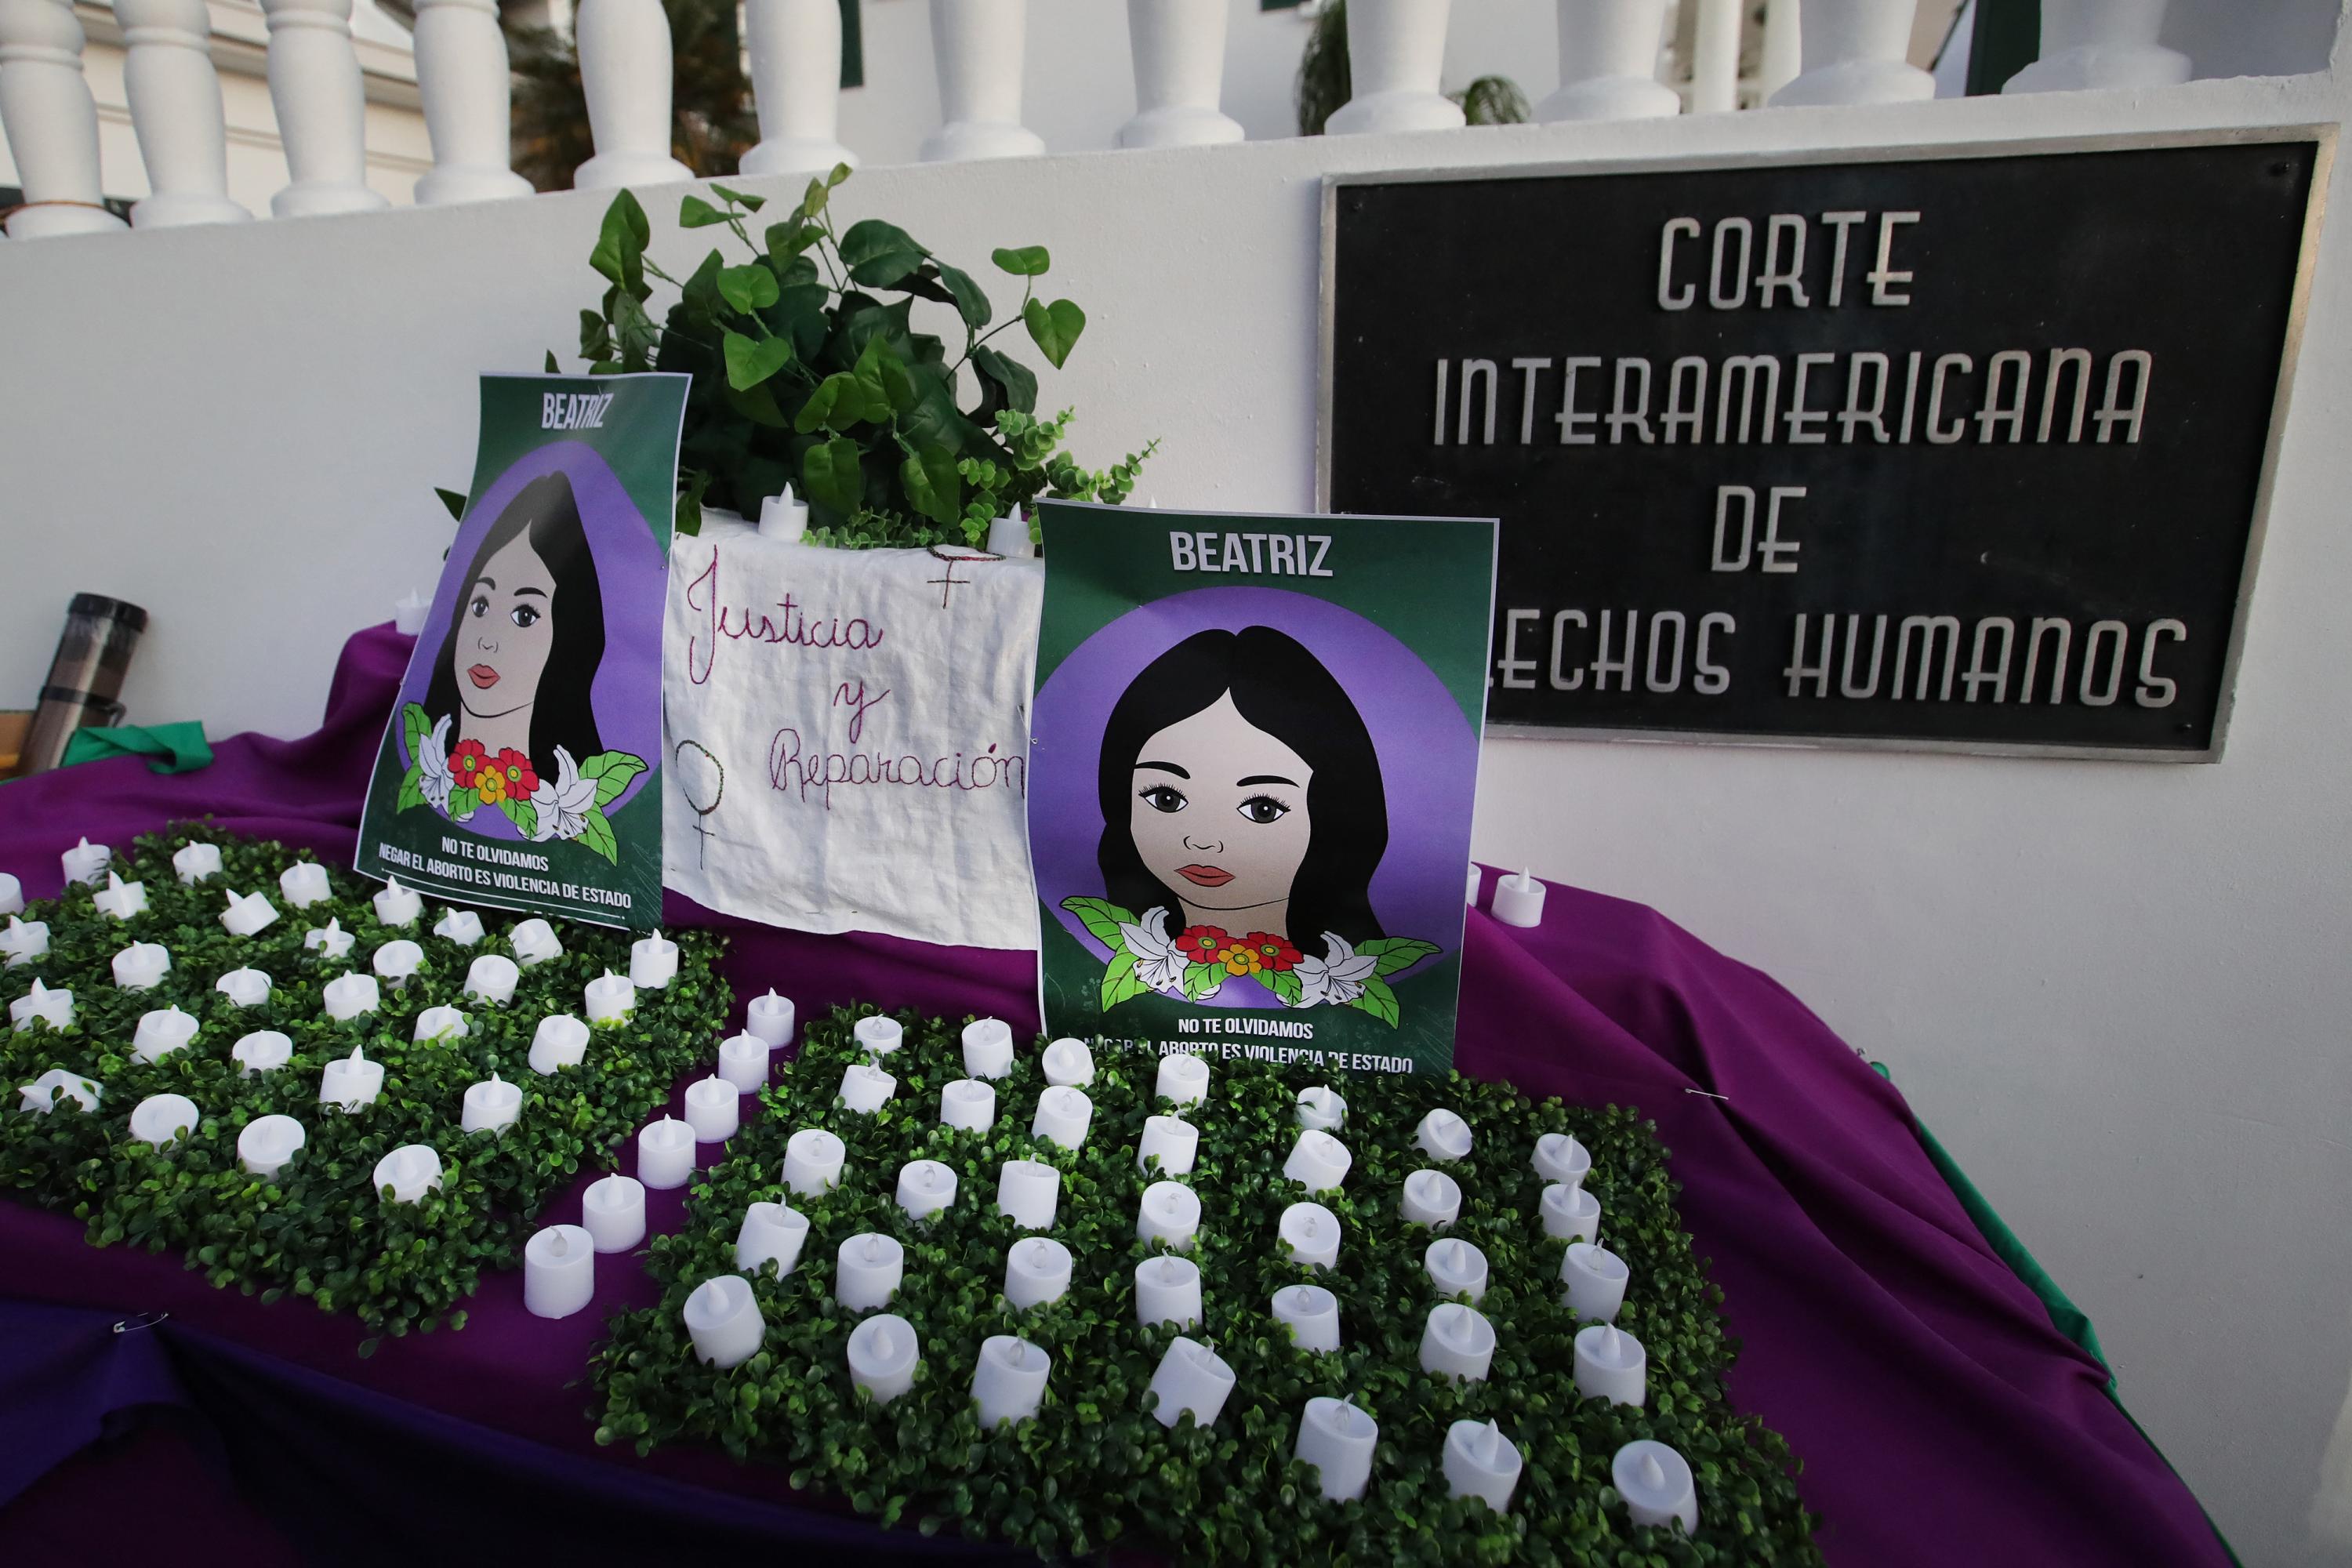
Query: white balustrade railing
(1609, 62)
(978, 46)
(2101, 43)
(1854, 52)
(625, 65)
(1714, 56)
(467, 88)
(175, 110)
(1179, 46)
(1396, 55)
(1784, 52)
(51, 121)
(795, 49)
(314, 85)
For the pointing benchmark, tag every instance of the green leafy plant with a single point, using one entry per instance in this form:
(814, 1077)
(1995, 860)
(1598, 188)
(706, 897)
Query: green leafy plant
(1096, 1470)
(317, 1228)
(808, 371)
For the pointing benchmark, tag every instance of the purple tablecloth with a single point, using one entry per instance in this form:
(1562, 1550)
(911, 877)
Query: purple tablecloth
(1941, 1420)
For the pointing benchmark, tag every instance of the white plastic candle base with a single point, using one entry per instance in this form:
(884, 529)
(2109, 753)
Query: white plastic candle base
(1310, 1236)
(264, 1050)
(159, 1033)
(534, 943)
(1570, 1214)
(86, 863)
(1318, 1162)
(1068, 1062)
(1456, 1269)
(770, 1018)
(666, 1154)
(1518, 901)
(396, 960)
(57, 1090)
(1028, 1191)
(653, 962)
(1009, 536)
(770, 1239)
(1471, 885)
(1337, 1440)
(159, 1119)
(1063, 1117)
(713, 1110)
(867, 1272)
(925, 1187)
(192, 863)
(350, 1081)
(968, 1103)
(743, 1062)
(1458, 1343)
(1168, 1212)
(782, 517)
(865, 1088)
(1312, 1315)
(559, 1271)
(1481, 1462)
(1192, 1379)
(462, 927)
(561, 1041)
(883, 1353)
(877, 1037)
(608, 998)
(1559, 1157)
(987, 1049)
(1183, 1079)
(722, 1318)
(1612, 1364)
(267, 1142)
(1037, 1271)
(491, 1106)
(12, 892)
(1167, 1290)
(332, 939)
(140, 967)
(432, 1023)
(55, 1008)
(613, 1210)
(1322, 1109)
(407, 1174)
(1009, 1383)
(812, 1161)
(1432, 1198)
(1443, 1135)
(1171, 1140)
(1656, 1484)
(23, 940)
(1596, 1279)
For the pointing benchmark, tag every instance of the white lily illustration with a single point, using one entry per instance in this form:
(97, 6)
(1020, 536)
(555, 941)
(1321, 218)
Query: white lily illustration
(1157, 962)
(434, 780)
(1337, 977)
(562, 802)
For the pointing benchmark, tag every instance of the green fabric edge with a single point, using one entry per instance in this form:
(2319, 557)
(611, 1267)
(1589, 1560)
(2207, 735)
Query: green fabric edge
(176, 748)
(2067, 1318)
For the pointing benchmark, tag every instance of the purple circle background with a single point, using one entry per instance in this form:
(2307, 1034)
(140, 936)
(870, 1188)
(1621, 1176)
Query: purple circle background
(630, 571)
(1429, 758)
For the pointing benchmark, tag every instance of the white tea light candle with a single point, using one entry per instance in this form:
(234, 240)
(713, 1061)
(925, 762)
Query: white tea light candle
(407, 1174)
(1063, 1116)
(534, 941)
(444, 1023)
(1028, 1191)
(350, 1081)
(987, 1049)
(492, 978)
(883, 1353)
(267, 1142)
(713, 1110)
(462, 927)
(1612, 1364)
(1571, 1212)
(12, 895)
(120, 900)
(1320, 1108)
(561, 1041)
(1009, 1383)
(1656, 1484)
(1318, 1162)
(1183, 1079)
(23, 940)
(1432, 1198)
(665, 1153)
(396, 960)
(1457, 1341)
(56, 1009)
(1068, 1062)
(86, 863)
(1172, 1141)
(304, 883)
(613, 1211)
(877, 1036)
(58, 1088)
(653, 962)
(161, 1118)
(609, 998)
(865, 1088)
(1036, 1270)
(248, 914)
(1481, 1463)
(192, 863)
(743, 1062)
(769, 1239)
(1559, 1157)
(1443, 1135)
(491, 1106)
(396, 905)
(330, 939)
(1337, 1440)
(867, 1271)
(1518, 899)
(159, 1032)
(264, 1050)
(812, 1161)
(1596, 1279)
(968, 1103)
(722, 1318)
(1191, 1377)
(1167, 1290)
(1168, 1212)
(1309, 1234)
(245, 987)
(925, 1187)
(559, 1271)
(1457, 1268)
(140, 966)
(1312, 1315)
(771, 1018)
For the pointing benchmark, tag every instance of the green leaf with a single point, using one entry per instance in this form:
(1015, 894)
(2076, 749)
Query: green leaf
(596, 834)
(595, 335)
(750, 361)
(931, 485)
(699, 292)
(878, 254)
(693, 212)
(619, 253)
(416, 728)
(757, 404)
(1055, 327)
(1396, 952)
(1379, 1001)
(1200, 979)
(813, 202)
(454, 500)
(463, 804)
(412, 794)
(831, 475)
(522, 813)
(1119, 982)
(1028, 262)
(635, 333)
(686, 519)
(971, 301)
(1005, 383)
(553, 368)
(840, 173)
(825, 405)
(799, 314)
(786, 240)
(1101, 917)
(748, 288)
(612, 771)
(743, 199)
(1284, 984)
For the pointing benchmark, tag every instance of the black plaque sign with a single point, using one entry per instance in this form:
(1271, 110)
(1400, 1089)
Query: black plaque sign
(1957, 451)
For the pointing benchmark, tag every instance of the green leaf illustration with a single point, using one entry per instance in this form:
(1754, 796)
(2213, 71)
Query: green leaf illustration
(597, 835)
(1119, 982)
(1101, 917)
(1396, 952)
(1379, 1001)
(612, 771)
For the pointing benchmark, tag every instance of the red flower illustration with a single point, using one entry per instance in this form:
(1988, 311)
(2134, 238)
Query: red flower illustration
(467, 762)
(1272, 951)
(1200, 944)
(522, 778)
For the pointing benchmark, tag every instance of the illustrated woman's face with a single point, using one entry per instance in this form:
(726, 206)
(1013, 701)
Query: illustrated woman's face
(1219, 810)
(504, 631)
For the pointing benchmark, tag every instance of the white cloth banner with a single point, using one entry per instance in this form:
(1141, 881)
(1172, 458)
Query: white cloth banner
(847, 737)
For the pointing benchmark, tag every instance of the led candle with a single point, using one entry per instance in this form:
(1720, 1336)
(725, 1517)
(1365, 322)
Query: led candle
(559, 1271)
(1656, 1484)
(160, 1033)
(968, 1103)
(1320, 1108)
(1009, 536)
(1481, 1462)
(12, 895)
(86, 863)
(925, 1187)
(192, 863)
(267, 1142)
(653, 962)
(1337, 1440)
(264, 1050)
(1068, 1062)
(161, 1118)
(55, 1088)
(492, 978)
(396, 960)
(54, 1008)
(987, 1049)
(1172, 1140)
(1168, 1212)
(1063, 1116)
(561, 1041)
(1309, 1235)
(1432, 1198)
(23, 940)
(865, 1088)
(1518, 901)
(409, 1172)
(350, 1082)
(1559, 1157)
(1457, 1341)
(1457, 1268)
(534, 941)
(722, 1318)
(613, 1211)
(444, 1023)
(304, 883)
(1183, 1079)
(248, 914)
(1611, 1364)
(120, 900)
(812, 1161)
(867, 1271)
(1036, 1270)
(140, 967)
(1028, 1191)
(491, 1106)
(408, 614)
(665, 1153)
(783, 517)
(1443, 1135)
(396, 905)
(876, 1035)
(771, 1018)
(883, 1352)
(1191, 1377)
(1009, 1383)
(610, 998)
(1318, 1162)
(462, 927)
(330, 939)
(713, 1110)
(770, 1239)
(1471, 883)
(1596, 1279)
(348, 996)
(743, 1062)
(244, 987)
(1571, 1212)
(1312, 1315)
(1167, 1290)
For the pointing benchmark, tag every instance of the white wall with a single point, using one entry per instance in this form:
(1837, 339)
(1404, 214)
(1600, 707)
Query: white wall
(2119, 992)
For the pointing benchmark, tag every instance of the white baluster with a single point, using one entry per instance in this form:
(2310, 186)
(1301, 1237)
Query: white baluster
(50, 120)
(977, 44)
(468, 91)
(795, 48)
(314, 85)
(625, 65)
(1396, 52)
(1784, 47)
(2101, 43)
(1855, 53)
(175, 109)
(1714, 57)
(1609, 61)
(1178, 48)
